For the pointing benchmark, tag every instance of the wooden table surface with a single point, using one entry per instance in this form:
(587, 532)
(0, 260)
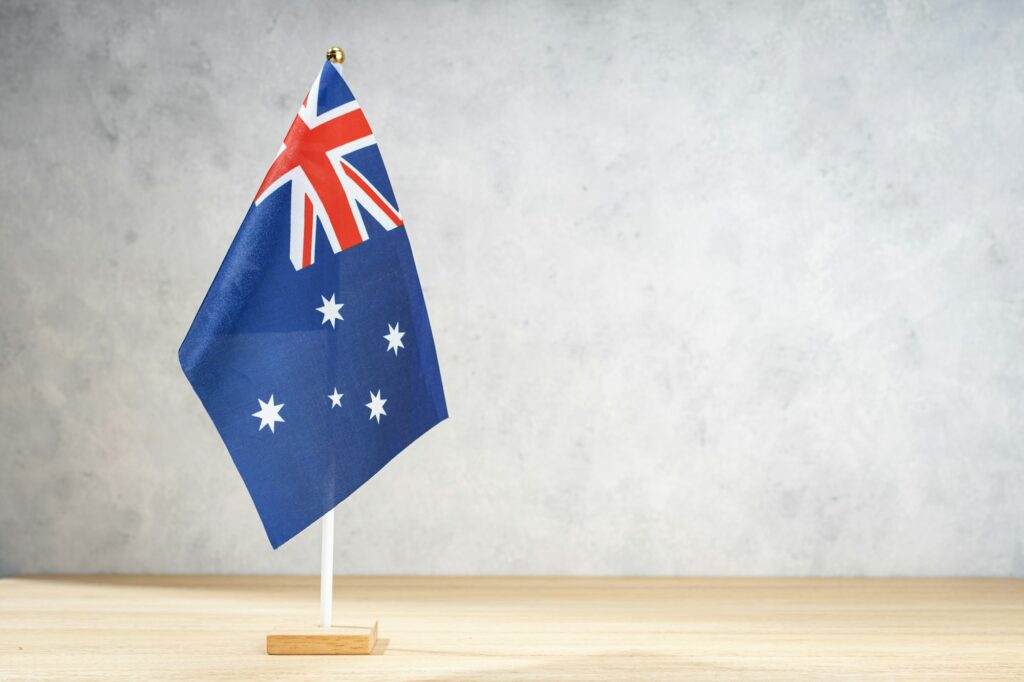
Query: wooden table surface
(201, 627)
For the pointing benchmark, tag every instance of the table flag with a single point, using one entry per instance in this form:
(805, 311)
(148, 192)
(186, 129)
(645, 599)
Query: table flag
(312, 351)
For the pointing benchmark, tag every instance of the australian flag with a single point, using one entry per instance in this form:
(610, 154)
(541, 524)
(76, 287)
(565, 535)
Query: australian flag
(312, 351)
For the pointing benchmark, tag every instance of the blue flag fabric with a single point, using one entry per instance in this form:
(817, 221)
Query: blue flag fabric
(312, 351)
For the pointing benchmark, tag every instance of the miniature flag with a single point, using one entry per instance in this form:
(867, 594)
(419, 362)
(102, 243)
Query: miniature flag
(312, 351)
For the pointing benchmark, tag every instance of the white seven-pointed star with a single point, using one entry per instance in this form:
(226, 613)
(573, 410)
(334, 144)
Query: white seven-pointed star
(330, 310)
(394, 338)
(376, 406)
(335, 398)
(269, 413)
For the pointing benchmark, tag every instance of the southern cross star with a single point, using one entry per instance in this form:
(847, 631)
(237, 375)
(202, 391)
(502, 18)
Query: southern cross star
(335, 398)
(394, 338)
(269, 413)
(331, 311)
(376, 406)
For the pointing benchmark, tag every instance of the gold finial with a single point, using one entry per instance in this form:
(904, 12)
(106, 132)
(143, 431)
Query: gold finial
(336, 55)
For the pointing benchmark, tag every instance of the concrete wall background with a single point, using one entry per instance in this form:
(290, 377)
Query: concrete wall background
(716, 289)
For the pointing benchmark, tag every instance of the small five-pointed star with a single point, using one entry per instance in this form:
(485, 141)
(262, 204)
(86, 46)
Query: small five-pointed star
(394, 338)
(335, 398)
(269, 413)
(331, 311)
(376, 406)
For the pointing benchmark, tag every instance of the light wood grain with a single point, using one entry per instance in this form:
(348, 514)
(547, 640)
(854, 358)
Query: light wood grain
(154, 628)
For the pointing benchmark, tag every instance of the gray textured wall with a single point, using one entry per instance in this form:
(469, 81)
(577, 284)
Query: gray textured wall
(716, 289)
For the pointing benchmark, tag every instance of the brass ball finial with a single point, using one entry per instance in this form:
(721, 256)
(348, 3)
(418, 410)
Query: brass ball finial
(336, 55)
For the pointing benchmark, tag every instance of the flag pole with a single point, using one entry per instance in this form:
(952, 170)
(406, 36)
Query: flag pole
(336, 55)
(326, 568)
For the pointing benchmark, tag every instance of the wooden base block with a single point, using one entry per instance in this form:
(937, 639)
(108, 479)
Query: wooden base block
(339, 639)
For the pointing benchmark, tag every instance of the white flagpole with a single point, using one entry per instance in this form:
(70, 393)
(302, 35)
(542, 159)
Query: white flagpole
(335, 55)
(326, 568)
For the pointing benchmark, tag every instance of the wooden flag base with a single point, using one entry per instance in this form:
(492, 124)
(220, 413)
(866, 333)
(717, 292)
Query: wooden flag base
(339, 639)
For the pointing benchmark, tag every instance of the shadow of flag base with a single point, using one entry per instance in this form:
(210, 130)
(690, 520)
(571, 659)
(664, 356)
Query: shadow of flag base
(315, 376)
